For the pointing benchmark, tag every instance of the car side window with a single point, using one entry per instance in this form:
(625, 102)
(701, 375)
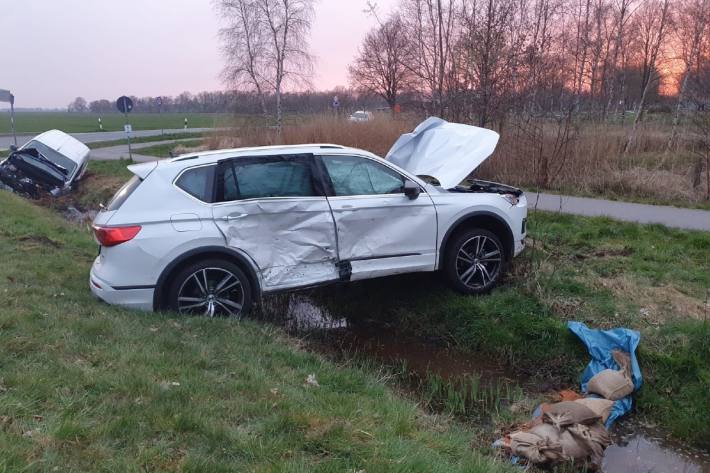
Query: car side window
(352, 175)
(198, 182)
(269, 177)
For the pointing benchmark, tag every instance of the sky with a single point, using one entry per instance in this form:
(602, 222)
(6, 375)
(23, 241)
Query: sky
(52, 51)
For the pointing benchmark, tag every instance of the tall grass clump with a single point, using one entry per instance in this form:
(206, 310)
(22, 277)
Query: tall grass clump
(376, 136)
(590, 160)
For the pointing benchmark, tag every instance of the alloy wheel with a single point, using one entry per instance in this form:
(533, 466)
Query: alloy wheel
(479, 261)
(211, 292)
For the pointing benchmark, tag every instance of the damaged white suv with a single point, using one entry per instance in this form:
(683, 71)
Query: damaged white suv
(210, 232)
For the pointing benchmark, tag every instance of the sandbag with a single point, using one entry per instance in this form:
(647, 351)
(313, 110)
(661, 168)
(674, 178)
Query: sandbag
(526, 444)
(610, 384)
(601, 407)
(572, 447)
(567, 413)
(552, 450)
(594, 438)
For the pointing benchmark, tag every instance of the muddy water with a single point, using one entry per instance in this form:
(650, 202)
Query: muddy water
(644, 449)
(637, 448)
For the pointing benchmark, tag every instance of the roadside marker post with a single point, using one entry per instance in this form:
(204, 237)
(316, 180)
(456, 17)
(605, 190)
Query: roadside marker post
(186, 123)
(125, 105)
(159, 100)
(101, 125)
(6, 96)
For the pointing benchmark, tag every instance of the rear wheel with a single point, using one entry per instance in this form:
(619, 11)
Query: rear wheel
(213, 288)
(474, 261)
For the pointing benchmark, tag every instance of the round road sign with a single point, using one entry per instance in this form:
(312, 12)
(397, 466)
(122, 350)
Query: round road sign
(124, 104)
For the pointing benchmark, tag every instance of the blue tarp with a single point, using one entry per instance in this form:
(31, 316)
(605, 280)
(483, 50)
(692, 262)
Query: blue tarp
(600, 344)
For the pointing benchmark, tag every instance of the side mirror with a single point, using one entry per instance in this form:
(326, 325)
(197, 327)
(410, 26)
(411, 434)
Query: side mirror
(411, 189)
(13, 148)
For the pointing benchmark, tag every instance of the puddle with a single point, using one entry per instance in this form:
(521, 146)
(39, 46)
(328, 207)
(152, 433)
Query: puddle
(304, 317)
(640, 449)
(637, 448)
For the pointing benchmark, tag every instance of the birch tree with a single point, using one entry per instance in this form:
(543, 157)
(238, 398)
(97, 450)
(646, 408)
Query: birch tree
(287, 24)
(266, 46)
(245, 48)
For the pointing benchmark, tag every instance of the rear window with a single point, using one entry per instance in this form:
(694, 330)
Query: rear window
(268, 177)
(198, 182)
(123, 193)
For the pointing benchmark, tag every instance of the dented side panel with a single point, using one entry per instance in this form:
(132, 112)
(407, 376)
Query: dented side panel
(384, 234)
(291, 240)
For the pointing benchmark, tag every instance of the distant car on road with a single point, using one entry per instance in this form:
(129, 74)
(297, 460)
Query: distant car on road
(210, 232)
(51, 163)
(361, 116)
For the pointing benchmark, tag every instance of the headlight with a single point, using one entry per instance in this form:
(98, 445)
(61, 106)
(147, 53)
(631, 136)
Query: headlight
(512, 200)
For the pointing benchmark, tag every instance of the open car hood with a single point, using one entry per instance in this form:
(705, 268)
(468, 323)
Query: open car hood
(446, 151)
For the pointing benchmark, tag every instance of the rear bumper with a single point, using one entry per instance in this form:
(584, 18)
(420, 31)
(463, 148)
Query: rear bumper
(131, 298)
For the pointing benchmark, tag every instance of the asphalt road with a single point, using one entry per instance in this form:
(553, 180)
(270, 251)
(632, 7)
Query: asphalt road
(689, 219)
(6, 141)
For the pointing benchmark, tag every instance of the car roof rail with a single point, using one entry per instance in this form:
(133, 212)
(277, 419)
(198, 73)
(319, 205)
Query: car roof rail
(331, 147)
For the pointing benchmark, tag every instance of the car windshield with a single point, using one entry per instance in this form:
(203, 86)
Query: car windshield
(52, 155)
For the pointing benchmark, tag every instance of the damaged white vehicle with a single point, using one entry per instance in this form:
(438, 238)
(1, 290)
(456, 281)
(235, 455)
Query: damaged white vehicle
(210, 232)
(49, 164)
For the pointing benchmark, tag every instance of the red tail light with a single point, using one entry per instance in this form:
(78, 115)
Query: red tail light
(112, 236)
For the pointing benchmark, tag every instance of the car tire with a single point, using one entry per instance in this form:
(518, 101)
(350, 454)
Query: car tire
(212, 288)
(474, 261)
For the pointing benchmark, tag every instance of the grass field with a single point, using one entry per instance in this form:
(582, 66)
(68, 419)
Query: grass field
(72, 361)
(89, 387)
(145, 139)
(35, 122)
(595, 270)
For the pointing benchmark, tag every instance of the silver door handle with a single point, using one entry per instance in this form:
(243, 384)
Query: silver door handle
(229, 218)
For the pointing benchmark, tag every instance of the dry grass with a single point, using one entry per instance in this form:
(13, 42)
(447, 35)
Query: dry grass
(376, 136)
(594, 165)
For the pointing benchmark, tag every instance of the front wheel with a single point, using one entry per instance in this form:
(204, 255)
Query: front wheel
(212, 288)
(474, 261)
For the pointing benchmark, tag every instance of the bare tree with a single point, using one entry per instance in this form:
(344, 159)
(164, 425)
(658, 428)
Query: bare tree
(287, 24)
(266, 46)
(652, 31)
(379, 67)
(622, 12)
(692, 30)
(490, 49)
(245, 48)
(430, 28)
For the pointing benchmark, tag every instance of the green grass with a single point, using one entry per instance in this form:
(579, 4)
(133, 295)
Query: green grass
(596, 270)
(89, 387)
(593, 270)
(35, 122)
(145, 139)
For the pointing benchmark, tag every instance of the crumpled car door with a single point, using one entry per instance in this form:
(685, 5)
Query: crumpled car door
(380, 230)
(273, 210)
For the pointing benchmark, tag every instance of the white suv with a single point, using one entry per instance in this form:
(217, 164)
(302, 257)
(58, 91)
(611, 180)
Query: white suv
(209, 233)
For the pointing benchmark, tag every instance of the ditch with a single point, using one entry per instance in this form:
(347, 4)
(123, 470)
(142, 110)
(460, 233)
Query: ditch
(475, 389)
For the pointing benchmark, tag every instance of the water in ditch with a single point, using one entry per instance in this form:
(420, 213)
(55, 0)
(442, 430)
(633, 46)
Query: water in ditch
(638, 448)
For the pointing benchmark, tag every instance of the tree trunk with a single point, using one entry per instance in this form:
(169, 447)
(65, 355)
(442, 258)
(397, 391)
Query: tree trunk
(676, 117)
